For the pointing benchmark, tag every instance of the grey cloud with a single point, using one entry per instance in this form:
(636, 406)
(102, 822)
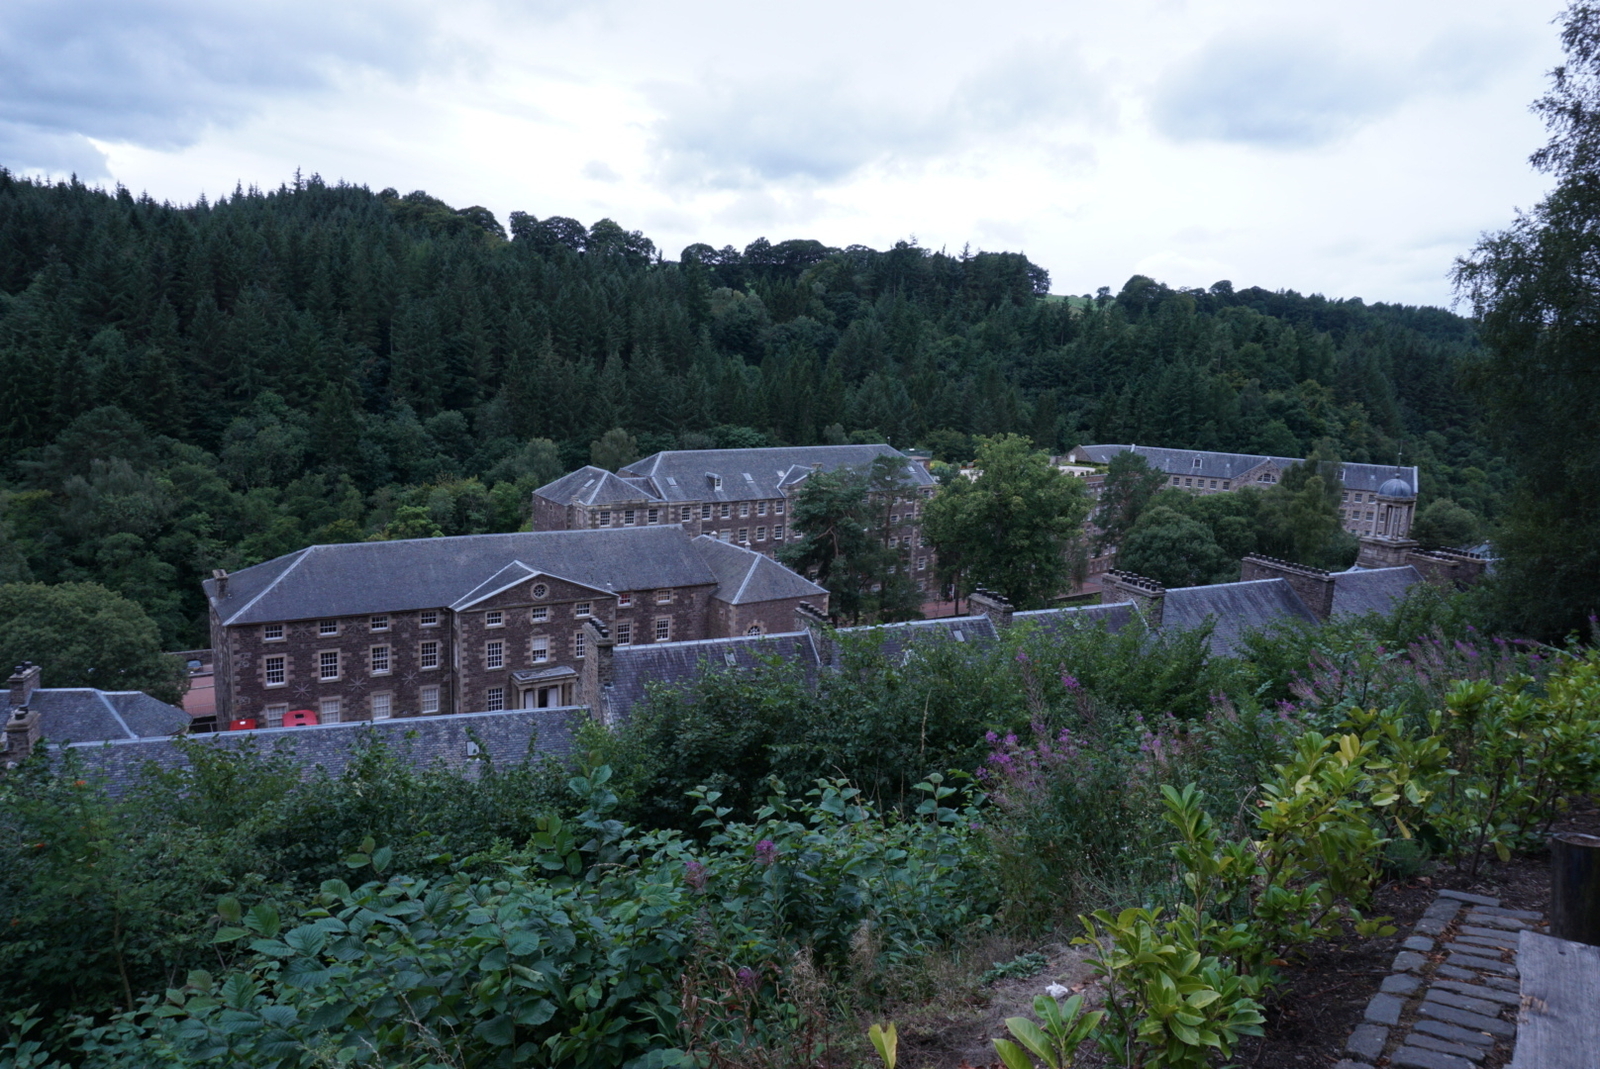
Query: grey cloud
(742, 133)
(600, 171)
(158, 72)
(30, 148)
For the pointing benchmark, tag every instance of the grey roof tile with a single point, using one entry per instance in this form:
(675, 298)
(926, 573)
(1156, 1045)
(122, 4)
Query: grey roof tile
(745, 576)
(590, 485)
(1214, 465)
(755, 474)
(354, 578)
(1372, 589)
(1235, 609)
(894, 639)
(82, 714)
(634, 668)
(1114, 617)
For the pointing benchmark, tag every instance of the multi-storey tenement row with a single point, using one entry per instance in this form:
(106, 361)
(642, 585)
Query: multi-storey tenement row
(373, 630)
(1201, 471)
(741, 496)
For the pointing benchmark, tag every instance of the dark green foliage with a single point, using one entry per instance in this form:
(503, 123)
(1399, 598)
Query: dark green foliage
(1175, 550)
(88, 636)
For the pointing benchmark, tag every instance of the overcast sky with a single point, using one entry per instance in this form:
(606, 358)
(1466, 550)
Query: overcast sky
(1350, 148)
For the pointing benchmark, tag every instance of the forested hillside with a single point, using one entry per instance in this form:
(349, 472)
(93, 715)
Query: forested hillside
(183, 388)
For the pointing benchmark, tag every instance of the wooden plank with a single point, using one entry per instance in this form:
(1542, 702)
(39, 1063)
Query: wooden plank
(1558, 1026)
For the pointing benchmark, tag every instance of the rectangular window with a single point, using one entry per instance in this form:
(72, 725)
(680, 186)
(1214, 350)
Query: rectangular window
(727, 510)
(540, 614)
(328, 711)
(328, 664)
(379, 622)
(541, 650)
(272, 633)
(275, 715)
(894, 542)
(494, 618)
(276, 673)
(1174, 480)
(428, 655)
(777, 507)
(777, 532)
(627, 517)
(744, 535)
(494, 655)
(1225, 483)
(705, 512)
(761, 508)
(761, 534)
(1213, 484)
(382, 706)
(624, 601)
(894, 517)
(653, 516)
(922, 564)
(428, 700)
(744, 508)
(580, 643)
(605, 517)
(328, 627)
(582, 609)
(624, 634)
(664, 597)
(494, 699)
(663, 629)
(429, 618)
(722, 535)
(380, 660)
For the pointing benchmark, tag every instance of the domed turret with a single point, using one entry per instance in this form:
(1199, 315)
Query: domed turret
(1397, 488)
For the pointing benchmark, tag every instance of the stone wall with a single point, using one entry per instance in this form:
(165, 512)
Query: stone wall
(459, 741)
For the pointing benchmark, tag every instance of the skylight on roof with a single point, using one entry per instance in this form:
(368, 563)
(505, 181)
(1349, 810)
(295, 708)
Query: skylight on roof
(749, 478)
(671, 481)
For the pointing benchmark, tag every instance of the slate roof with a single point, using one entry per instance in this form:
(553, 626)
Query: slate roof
(755, 474)
(82, 714)
(896, 638)
(355, 578)
(745, 576)
(1235, 608)
(590, 485)
(1114, 617)
(633, 668)
(1214, 465)
(1372, 589)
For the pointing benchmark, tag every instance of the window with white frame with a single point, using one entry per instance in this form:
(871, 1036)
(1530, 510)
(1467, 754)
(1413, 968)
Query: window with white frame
(705, 512)
(744, 508)
(541, 650)
(540, 614)
(753, 630)
(777, 533)
(494, 699)
(664, 597)
(382, 706)
(624, 634)
(894, 517)
(428, 700)
(276, 670)
(274, 715)
(627, 517)
(922, 564)
(777, 507)
(428, 655)
(329, 711)
(605, 517)
(727, 510)
(494, 618)
(761, 534)
(761, 508)
(494, 655)
(624, 601)
(653, 516)
(744, 535)
(893, 542)
(663, 629)
(378, 622)
(429, 618)
(380, 660)
(580, 645)
(582, 609)
(328, 627)
(274, 632)
(328, 665)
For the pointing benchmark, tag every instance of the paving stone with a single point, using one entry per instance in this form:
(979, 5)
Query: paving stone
(1484, 941)
(1467, 896)
(1454, 973)
(1467, 1019)
(1400, 984)
(1505, 998)
(1418, 943)
(1518, 914)
(1346, 1063)
(1367, 1040)
(1444, 1046)
(1484, 920)
(1463, 1002)
(1453, 1033)
(1472, 961)
(1442, 907)
(1384, 1009)
(1432, 925)
(1427, 1059)
(1472, 931)
(1408, 960)
(1504, 985)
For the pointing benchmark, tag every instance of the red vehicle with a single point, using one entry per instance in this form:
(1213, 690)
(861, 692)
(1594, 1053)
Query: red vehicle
(244, 723)
(300, 718)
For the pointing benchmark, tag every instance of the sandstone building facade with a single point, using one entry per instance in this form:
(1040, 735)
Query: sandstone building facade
(422, 627)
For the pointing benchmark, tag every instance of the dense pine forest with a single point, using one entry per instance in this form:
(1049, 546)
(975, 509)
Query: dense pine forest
(191, 387)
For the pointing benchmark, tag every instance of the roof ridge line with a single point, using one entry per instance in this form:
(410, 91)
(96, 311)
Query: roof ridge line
(749, 572)
(112, 709)
(268, 588)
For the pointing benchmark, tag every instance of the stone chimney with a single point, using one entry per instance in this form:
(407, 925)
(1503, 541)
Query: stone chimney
(1449, 568)
(1314, 585)
(22, 734)
(809, 618)
(1147, 595)
(219, 577)
(23, 682)
(594, 676)
(992, 605)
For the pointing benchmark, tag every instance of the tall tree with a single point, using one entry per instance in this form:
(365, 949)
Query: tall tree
(1129, 485)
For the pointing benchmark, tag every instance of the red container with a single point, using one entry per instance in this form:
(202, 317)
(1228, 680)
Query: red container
(244, 723)
(300, 718)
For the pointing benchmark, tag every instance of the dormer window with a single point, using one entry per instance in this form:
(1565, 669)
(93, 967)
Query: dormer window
(714, 480)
